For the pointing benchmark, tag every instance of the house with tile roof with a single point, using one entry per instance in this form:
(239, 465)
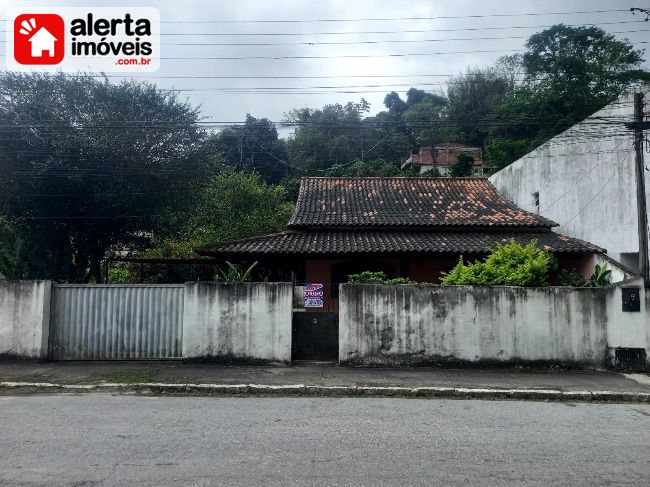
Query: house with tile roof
(442, 157)
(408, 227)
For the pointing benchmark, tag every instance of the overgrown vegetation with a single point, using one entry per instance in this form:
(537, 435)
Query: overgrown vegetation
(369, 277)
(511, 264)
(464, 166)
(602, 276)
(235, 273)
(571, 277)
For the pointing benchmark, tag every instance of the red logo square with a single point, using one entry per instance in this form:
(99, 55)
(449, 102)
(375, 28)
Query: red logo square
(39, 39)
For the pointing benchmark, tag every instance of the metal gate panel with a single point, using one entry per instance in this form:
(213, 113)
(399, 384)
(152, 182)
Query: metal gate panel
(315, 336)
(116, 322)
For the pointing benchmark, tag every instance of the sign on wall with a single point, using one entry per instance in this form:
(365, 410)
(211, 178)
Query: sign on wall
(314, 295)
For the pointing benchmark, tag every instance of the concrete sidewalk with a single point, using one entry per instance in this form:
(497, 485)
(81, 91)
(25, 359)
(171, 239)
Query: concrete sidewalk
(319, 378)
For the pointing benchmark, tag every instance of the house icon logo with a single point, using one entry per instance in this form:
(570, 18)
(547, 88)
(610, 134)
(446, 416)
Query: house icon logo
(39, 39)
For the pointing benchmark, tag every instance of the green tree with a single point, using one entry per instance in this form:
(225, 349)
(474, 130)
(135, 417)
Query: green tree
(332, 135)
(229, 206)
(238, 205)
(253, 146)
(583, 64)
(377, 167)
(500, 152)
(464, 166)
(425, 117)
(570, 73)
(473, 98)
(88, 165)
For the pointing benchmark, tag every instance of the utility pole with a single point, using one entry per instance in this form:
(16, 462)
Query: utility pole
(642, 211)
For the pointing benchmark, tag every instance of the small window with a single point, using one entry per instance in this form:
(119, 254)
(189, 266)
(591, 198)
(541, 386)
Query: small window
(536, 199)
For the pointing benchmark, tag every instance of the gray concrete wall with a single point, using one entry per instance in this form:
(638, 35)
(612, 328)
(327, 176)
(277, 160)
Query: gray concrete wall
(588, 171)
(429, 324)
(24, 318)
(628, 329)
(242, 322)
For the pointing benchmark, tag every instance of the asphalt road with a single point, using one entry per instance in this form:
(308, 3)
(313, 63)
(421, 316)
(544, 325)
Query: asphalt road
(99, 439)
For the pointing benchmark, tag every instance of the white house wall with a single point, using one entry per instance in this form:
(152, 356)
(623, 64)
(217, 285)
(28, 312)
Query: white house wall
(248, 321)
(588, 171)
(410, 325)
(24, 318)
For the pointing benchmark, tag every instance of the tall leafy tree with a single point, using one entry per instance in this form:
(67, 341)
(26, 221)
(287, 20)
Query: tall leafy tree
(425, 117)
(583, 64)
(253, 146)
(88, 165)
(473, 98)
(569, 73)
(324, 137)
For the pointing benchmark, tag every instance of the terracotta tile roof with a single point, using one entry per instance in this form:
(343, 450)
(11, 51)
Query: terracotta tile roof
(406, 202)
(294, 242)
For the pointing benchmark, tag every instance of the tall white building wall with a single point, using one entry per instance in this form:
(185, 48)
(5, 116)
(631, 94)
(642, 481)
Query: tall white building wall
(584, 180)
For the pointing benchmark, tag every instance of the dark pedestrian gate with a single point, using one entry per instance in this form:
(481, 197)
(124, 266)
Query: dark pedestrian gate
(315, 336)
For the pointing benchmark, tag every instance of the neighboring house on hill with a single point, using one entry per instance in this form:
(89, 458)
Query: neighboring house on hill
(584, 179)
(409, 227)
(443, 156)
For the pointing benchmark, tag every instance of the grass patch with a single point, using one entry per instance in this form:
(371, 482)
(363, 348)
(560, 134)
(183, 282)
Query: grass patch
(129, 376)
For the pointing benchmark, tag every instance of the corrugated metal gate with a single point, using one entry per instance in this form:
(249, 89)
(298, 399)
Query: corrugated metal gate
(96, 322)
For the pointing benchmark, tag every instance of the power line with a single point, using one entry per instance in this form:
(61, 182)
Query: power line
(336, 56)
(402, 31)
(589, 171)
(386, 19)
(364, 42)
(382, 32)
(598, 192)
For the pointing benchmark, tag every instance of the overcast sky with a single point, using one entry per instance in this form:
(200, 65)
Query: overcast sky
(404, 71)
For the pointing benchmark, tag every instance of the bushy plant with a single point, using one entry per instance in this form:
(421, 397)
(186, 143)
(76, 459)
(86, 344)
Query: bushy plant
(602, 276)
(235, 273)
(369, 277)
(571, 277)
(120, 274)
(511, 264)
(464, 165)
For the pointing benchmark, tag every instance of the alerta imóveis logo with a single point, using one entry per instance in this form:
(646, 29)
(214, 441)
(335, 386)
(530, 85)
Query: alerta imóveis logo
(39, 39)
(83, 39)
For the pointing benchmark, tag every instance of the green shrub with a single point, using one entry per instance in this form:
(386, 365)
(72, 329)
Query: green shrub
(511, 264)
(571, 277)
(120, 274)
(369, 277)
(602, 276)
(235, 273)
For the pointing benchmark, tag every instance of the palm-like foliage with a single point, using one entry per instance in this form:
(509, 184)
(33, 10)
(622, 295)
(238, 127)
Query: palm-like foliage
(235, 273)
(602, 276)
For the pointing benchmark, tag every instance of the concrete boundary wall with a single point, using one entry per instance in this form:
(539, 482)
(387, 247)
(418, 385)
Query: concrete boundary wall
(402, 325)
(242, 322)
(24, 319)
